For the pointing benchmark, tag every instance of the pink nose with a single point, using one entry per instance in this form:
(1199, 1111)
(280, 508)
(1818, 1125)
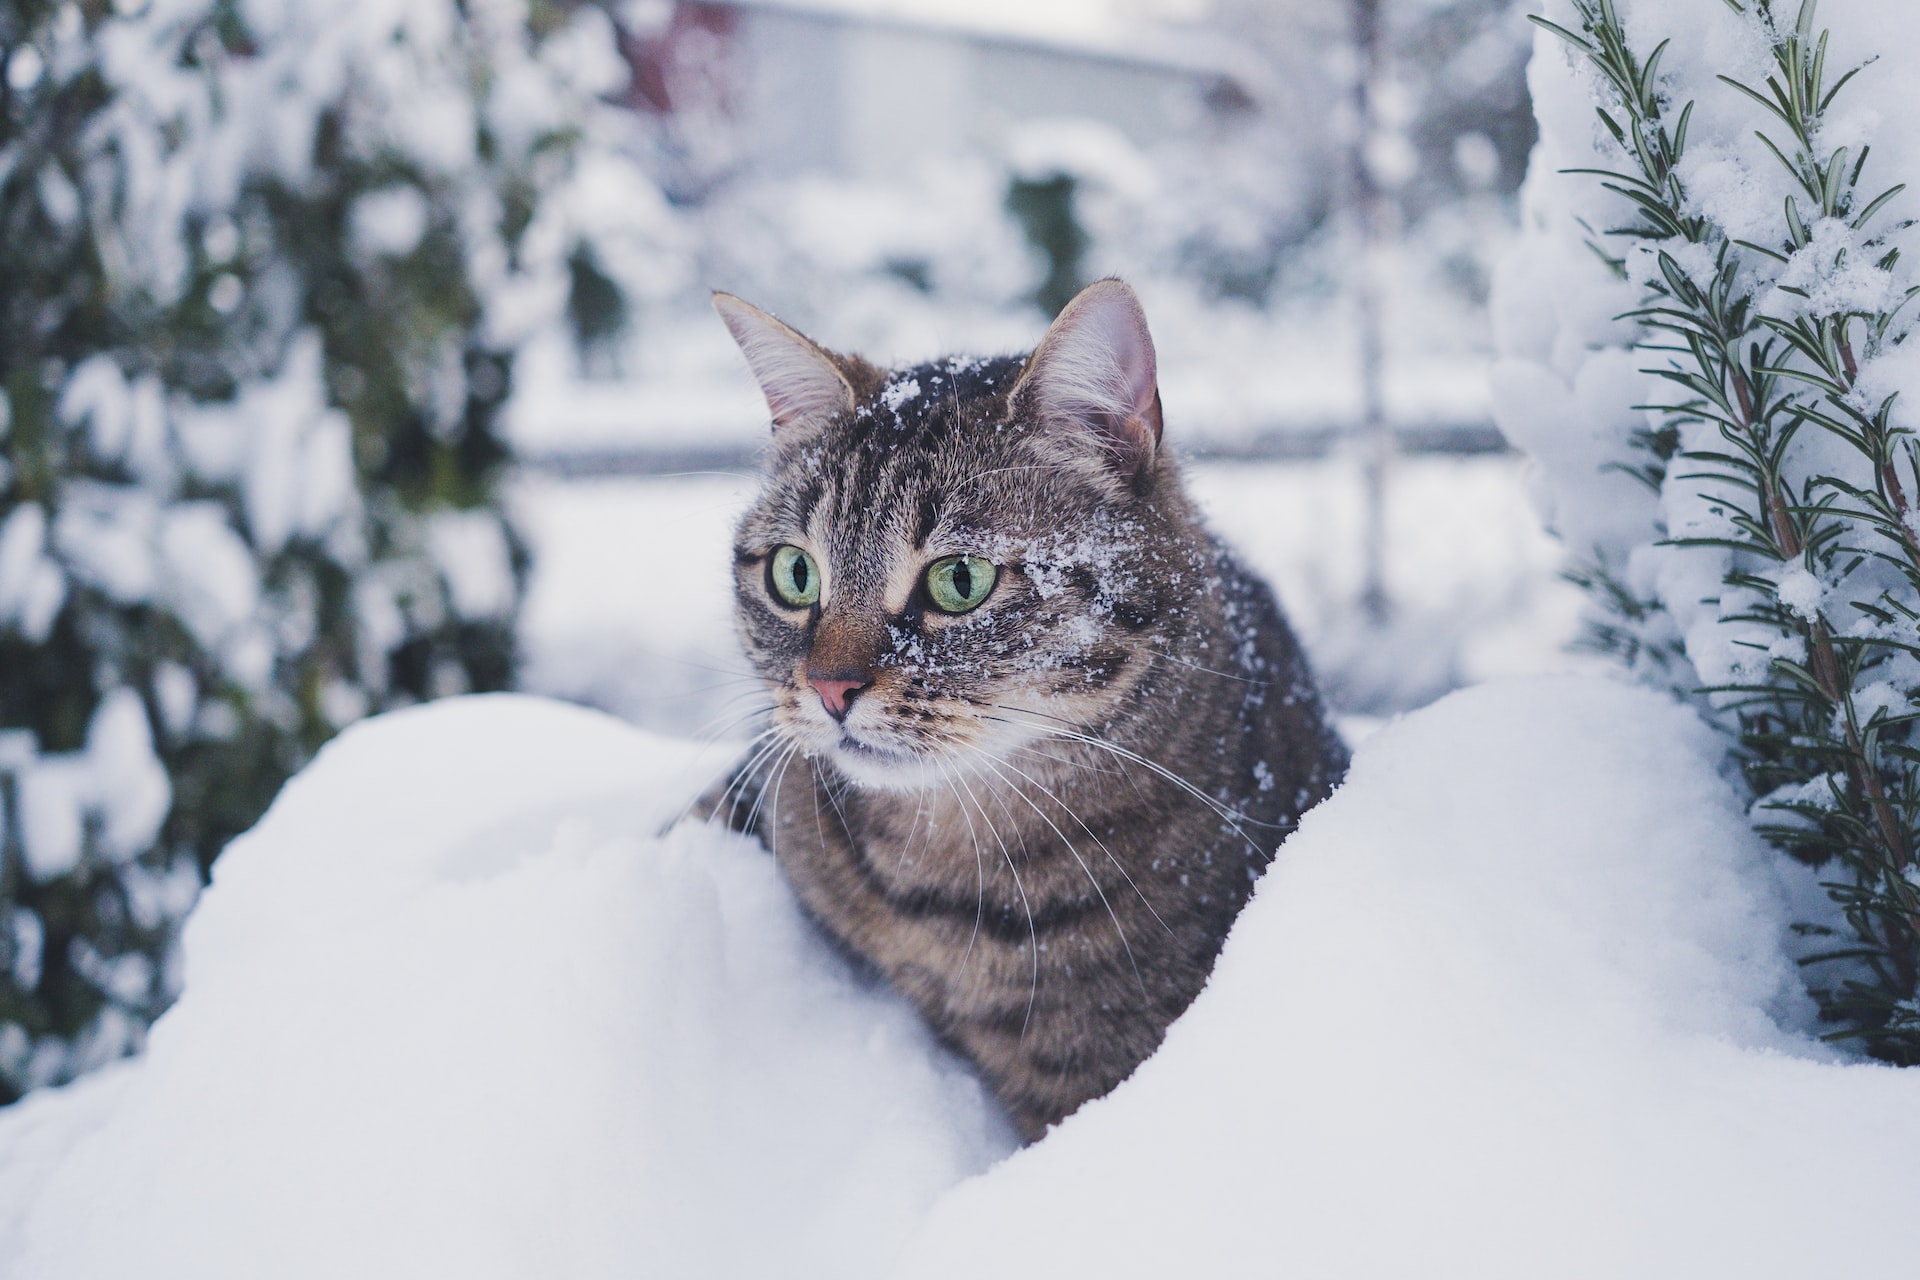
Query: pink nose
(836, 695)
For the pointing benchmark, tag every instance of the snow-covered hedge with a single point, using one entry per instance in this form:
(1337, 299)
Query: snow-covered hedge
(1511, 1003)
(1704, 341)
(266, 268)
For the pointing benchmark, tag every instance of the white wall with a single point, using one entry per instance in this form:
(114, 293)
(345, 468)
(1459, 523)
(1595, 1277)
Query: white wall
(827, 93)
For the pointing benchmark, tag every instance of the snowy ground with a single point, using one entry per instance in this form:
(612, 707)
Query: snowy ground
(453, 1010)
(1512, 1003)
(630, 602)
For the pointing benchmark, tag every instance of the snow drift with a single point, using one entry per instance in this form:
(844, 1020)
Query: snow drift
(1511, 1003)
(452, 1009)
(1507, 1005)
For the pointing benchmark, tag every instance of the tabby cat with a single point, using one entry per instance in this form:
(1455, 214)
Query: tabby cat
(1034, 732)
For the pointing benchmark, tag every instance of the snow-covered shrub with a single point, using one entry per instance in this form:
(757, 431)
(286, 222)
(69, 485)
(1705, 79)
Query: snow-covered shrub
(1707, 351)
(266, 264)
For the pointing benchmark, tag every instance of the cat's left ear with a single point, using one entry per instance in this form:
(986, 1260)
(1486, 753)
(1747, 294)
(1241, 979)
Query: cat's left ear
(1094, 373)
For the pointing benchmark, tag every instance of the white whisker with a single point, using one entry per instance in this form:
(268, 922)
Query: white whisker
(979, 865)
(740, 773)
(1070, 812)
(769, 742)
(772, 805)
(1160, 656)
(1092, 879)
(1033, 932)
(1232, 817)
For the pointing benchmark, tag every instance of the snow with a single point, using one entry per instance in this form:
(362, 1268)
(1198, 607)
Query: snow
(1858, 285)
(105, 533)
(115, 784)
(31, 586)
(470, 550)
(389, 222)
(453, 1008)
(1507, 1005)
(208, 571)
(1801, 592)
(899, 392)
(1512, 1002)
(630, 602)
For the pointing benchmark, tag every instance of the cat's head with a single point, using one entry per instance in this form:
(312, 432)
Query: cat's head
(950, 562)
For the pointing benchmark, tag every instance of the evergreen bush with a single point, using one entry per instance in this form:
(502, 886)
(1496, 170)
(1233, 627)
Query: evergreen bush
(1787, 596)
(263, 271)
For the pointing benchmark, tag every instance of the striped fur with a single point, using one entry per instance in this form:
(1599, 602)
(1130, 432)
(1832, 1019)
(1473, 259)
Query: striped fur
(1040, 819)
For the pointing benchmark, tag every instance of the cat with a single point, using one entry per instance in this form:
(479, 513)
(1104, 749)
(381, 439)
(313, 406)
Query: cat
(1034, 732)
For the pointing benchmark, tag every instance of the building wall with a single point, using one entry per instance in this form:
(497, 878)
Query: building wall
(903, 94)
(827, 93)
(787, 92)
(1149, 104)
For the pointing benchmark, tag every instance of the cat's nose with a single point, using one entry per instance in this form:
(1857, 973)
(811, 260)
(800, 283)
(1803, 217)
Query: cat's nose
(836, 693)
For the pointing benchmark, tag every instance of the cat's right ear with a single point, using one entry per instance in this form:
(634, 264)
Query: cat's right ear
(1092, 378)
(800, 380)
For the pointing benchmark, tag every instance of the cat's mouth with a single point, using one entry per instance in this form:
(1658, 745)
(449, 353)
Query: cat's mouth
(867, 751)
(867, 763)
(884, 768)
(872, 752)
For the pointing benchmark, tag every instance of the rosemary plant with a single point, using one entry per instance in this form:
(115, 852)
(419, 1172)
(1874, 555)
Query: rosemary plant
(1809, 484)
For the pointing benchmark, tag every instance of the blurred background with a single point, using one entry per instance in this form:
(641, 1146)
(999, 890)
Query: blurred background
(358, 354)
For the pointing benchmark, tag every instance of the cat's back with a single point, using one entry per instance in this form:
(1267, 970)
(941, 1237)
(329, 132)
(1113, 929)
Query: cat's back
(1287, 724)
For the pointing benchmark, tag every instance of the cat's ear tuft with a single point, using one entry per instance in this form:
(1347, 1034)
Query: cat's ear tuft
(799, 378)
(1094, 372)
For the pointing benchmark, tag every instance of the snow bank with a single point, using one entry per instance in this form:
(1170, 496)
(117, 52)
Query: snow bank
(451, 1009)
(1501, 1008)
(1509, 1004)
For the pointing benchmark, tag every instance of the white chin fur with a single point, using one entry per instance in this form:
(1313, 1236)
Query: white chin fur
(890, 772)
(881, 768)
(900, 771)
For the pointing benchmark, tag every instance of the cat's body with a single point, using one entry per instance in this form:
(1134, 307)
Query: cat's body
(1033, 792)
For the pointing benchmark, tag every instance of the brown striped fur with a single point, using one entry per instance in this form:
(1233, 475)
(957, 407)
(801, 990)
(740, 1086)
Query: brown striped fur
(1039, 819)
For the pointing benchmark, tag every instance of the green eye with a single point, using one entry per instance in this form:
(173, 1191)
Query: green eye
(959, 583)
(794, 578)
